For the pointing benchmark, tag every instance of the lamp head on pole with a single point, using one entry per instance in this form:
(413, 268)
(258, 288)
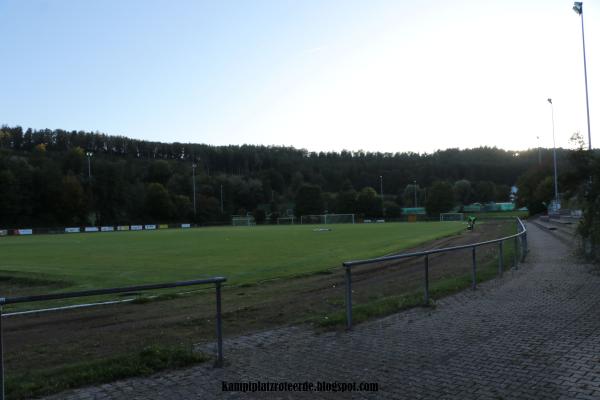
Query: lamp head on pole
(578, 7)
(550, 100)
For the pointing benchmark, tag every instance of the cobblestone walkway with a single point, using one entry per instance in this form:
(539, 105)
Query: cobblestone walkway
(534, 334)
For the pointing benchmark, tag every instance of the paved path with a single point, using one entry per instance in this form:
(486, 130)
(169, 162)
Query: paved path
(534, 334)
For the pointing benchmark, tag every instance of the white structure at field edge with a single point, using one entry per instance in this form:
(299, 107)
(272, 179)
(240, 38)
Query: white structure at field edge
(327, 219)
(238, 220)
(451, 217)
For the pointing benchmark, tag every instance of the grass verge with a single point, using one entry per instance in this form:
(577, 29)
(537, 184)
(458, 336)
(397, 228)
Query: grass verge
(388, 305)
(146, 362)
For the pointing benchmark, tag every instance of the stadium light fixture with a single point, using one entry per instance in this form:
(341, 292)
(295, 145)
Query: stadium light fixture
(578, 8)
(557, 202)
(89, 155)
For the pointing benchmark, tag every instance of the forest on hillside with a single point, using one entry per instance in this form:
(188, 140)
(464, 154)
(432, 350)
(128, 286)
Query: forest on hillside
(60, 178)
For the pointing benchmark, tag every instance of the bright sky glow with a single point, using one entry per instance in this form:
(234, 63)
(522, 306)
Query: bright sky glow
(375, 75)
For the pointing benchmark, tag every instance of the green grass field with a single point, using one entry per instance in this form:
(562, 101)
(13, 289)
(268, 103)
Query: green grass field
(242, 254)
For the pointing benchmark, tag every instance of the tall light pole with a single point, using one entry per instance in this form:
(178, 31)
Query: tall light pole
(194, 185)
(539, 151)
(578, 8)
(557, 203)
(381, 191)
(89, 155)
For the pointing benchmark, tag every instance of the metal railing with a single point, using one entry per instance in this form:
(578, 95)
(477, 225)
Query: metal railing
(520, 236)
(217, 281)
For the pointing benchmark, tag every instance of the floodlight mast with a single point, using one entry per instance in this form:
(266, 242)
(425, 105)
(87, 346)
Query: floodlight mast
(578, 8)
(89, 155)
(556, 204)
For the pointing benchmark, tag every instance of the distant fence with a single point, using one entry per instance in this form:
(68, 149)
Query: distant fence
(6, 231)
(520, 238)
(217, 281)
(92, 229)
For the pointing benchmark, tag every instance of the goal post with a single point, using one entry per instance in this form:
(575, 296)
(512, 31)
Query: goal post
(312, 219)
(238, 220)
(327, 219)
(451, 217)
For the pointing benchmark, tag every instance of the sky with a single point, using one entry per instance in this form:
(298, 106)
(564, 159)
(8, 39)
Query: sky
(389, 76)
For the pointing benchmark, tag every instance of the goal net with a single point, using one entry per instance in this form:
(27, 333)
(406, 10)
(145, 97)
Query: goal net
(327, 219)
(286, 220)
(242, 221)
(451, 217)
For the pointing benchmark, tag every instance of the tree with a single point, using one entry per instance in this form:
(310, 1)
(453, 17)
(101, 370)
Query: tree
(33, 164)
(158, 203)
(46, 196)
(440, 198)
(462, 191)
(408, 196)
(160, 172)
(259, 216)
(589, 226)
(484, 191)
(182, 207)
(544, 191)
(528, 188)
(329, 202)
(392, 209)
(346, 202)
(309, 200)
(368, 202)
(9, 201)
(208, 209)
(73, 205)
(73, 161)
(502, 193)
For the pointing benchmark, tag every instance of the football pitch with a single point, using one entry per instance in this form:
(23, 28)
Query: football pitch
(242, 254)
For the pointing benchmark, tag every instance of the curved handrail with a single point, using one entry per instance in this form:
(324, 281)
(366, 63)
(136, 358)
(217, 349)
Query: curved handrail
(354, 263)
(521, 234)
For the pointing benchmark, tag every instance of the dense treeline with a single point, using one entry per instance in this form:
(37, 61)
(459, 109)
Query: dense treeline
(47, 179)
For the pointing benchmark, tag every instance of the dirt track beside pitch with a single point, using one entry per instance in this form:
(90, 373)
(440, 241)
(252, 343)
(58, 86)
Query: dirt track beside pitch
(63, 338)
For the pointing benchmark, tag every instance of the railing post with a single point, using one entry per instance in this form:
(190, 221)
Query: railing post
(1, 359)
(517, 252)
(426, 279)
(219, 362)
(474, 284)
(523, 246)
(348, 297)
(501, 258)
